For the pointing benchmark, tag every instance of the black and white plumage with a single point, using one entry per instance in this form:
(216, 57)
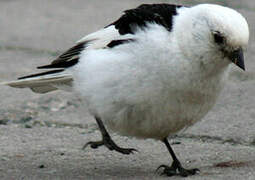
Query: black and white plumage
(155, 71)
(161, 14)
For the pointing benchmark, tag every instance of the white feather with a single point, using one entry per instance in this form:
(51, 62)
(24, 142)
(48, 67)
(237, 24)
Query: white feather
(101, 38)
(44, 84)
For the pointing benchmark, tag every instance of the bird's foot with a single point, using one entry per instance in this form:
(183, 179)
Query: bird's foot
(176, 169)
(110, 144)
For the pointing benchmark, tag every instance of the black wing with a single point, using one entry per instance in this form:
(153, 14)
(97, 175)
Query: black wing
(68, 58)
(157, 13)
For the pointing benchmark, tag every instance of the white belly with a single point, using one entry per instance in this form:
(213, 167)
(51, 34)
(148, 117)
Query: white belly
(159, 119)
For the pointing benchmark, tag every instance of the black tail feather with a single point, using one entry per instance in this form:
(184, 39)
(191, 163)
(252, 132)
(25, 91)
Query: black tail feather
(42, 74)
(60, 64)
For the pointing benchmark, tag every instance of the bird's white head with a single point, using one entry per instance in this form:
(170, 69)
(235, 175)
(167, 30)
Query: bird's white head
(213, 34)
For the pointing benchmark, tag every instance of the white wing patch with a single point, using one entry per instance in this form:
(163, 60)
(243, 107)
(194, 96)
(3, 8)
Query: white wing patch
(101, 38)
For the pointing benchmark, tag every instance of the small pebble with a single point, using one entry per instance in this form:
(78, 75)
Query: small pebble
(3, 121)
(28, 126)
(41, 166)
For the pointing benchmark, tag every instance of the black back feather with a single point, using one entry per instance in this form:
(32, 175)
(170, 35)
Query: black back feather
(161, 14)
(119, 42)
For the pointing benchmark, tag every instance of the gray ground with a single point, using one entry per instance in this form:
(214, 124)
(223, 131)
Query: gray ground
(41, 136)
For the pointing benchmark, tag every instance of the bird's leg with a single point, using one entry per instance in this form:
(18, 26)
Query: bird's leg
(107, 141)
(176, 167)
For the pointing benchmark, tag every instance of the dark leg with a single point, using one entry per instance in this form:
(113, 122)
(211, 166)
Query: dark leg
(176, 167)
(107, 141)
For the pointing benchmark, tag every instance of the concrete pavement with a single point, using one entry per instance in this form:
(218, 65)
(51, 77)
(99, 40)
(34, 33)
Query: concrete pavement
(41, 136)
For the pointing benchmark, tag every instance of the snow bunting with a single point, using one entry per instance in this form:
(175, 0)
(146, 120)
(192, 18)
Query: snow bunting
(156, 70)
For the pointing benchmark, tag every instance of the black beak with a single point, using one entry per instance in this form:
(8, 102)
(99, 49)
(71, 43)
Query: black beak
(237, 57)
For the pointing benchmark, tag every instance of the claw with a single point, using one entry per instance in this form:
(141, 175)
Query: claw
(126, 151)
(177, 170)
(93, 145)
(169, 171)
(194, 171)
(85, 145)
(161, 166)
(107, 141)
(133, 150)
(110, 145)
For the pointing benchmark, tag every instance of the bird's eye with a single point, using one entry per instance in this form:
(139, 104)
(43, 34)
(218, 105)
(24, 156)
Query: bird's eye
(218, 38)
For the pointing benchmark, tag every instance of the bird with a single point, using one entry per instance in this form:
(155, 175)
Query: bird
(153, 72)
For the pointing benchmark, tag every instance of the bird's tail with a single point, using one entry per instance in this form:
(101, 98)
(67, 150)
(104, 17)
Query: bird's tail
(44, 82)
